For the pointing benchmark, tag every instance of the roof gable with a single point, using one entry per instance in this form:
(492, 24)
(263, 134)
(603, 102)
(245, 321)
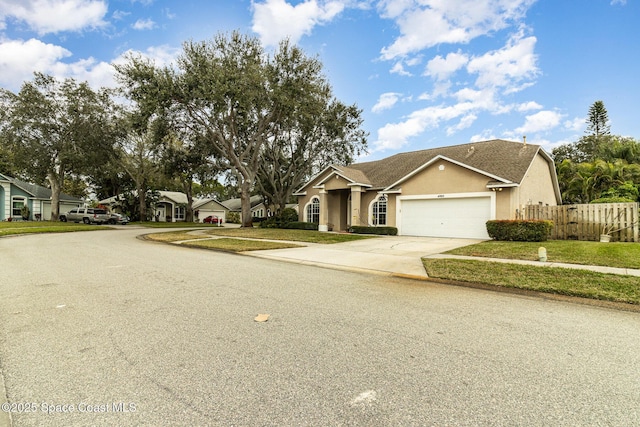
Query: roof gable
(500, 160)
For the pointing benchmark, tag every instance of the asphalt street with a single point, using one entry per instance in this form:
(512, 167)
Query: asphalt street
(100, 328)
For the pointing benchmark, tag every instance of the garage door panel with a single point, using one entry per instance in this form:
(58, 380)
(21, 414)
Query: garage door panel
(461, 217)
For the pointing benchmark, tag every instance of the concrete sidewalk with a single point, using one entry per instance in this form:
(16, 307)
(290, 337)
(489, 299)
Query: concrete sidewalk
(399, 256)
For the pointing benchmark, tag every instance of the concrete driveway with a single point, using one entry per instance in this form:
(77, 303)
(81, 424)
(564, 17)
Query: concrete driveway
(397, 255)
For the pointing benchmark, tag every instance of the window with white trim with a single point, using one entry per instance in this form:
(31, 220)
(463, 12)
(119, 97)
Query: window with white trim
(17, 203)
(179, 212)
(379, 211)
(313, 210)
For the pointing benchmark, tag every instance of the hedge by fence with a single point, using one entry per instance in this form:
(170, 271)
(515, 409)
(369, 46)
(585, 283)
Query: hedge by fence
(520, 230)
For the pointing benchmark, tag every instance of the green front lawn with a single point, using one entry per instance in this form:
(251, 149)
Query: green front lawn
(31, 227)
(563, 281)
(290, 235)
(555, 280)
(623, 255)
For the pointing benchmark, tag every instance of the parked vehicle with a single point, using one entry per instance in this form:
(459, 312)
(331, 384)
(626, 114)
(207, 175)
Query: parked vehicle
(117, 218)
(212, 219)
(86, 215)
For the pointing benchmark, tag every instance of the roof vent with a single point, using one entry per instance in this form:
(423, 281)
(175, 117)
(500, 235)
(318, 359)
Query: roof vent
(524, 139)
(470, 150)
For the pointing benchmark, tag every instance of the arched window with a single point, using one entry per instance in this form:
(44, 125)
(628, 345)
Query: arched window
(313, 210)
(379, 211)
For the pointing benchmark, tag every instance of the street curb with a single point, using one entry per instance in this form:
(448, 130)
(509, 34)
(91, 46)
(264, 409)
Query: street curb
(5, 417)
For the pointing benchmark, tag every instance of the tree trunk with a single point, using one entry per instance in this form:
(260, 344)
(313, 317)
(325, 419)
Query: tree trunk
(188, 190)
(55, 180)
(142, 200)
(245, 198)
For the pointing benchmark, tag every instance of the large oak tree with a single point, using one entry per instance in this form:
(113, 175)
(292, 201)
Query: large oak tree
(250, 108)
(57, 129)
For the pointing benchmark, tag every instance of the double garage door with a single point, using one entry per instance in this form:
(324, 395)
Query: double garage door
(447, 217)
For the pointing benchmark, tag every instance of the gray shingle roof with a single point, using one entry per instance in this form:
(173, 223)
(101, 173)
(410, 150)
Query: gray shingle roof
(40, 192)
(507, 160)
(236, 204)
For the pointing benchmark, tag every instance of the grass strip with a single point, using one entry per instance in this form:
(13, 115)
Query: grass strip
(238, 245)
(307, 236)
(45, 227)
(174, 236)
(580, 283)
(617, 254)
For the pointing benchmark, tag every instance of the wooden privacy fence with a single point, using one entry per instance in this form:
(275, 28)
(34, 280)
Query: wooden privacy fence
(587, 222)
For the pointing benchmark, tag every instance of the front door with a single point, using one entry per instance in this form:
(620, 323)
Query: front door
(161, 214)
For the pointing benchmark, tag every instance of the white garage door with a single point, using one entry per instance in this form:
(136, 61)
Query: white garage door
(463, 217)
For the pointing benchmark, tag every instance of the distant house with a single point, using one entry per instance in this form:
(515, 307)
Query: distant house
(14, 194)
(441, 192)
(170, 206)
(203, 208)
(258, 208)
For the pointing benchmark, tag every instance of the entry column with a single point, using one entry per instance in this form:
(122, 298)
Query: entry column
(324, 212)
(356, 193)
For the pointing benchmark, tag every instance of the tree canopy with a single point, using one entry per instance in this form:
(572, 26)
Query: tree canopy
(251, 110)
(57, 130)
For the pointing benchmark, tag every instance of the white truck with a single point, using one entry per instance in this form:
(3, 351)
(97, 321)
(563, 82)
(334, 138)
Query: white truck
(86, 215)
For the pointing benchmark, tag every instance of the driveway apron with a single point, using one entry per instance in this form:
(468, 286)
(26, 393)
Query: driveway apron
(397, 255)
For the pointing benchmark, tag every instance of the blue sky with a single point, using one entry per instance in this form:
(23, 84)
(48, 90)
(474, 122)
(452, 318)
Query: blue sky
(426, 73)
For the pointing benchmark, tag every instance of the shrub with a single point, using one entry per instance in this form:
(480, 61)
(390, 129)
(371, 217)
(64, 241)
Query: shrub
(233, 217)
(389, 231)
(612, 200)
(299, 225)
(286, 217)
(520, 230)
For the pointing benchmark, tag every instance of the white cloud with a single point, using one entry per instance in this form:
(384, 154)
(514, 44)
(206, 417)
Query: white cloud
(275, 20)
(464, 123)
(622, 2)
(144, 24)
(53, 16)
(398, 68)
(386, 101)
(395, 135)
(576, 124)
(507, 67)
(528, 106)
(119, 15)
(540, 122)
(21, 58)
(441, 68)
(427, 23)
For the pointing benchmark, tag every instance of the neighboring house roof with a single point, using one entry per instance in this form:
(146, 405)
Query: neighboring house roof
(201, 202)
(235, 205)
(38, 191)
(174, 196)
(504, 162)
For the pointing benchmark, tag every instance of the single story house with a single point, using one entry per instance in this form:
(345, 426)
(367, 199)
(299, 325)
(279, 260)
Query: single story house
(203, 208)
(442, 192)
(15, 193)
(258, 208)
(170, 206)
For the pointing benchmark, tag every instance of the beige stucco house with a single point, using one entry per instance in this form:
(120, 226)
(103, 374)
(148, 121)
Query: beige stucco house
(441, 192)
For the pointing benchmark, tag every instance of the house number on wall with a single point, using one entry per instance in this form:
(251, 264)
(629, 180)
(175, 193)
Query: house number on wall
(440, 196)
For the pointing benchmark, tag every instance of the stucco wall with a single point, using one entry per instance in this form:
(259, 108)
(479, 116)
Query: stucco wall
(537, 185)
(450, 179)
